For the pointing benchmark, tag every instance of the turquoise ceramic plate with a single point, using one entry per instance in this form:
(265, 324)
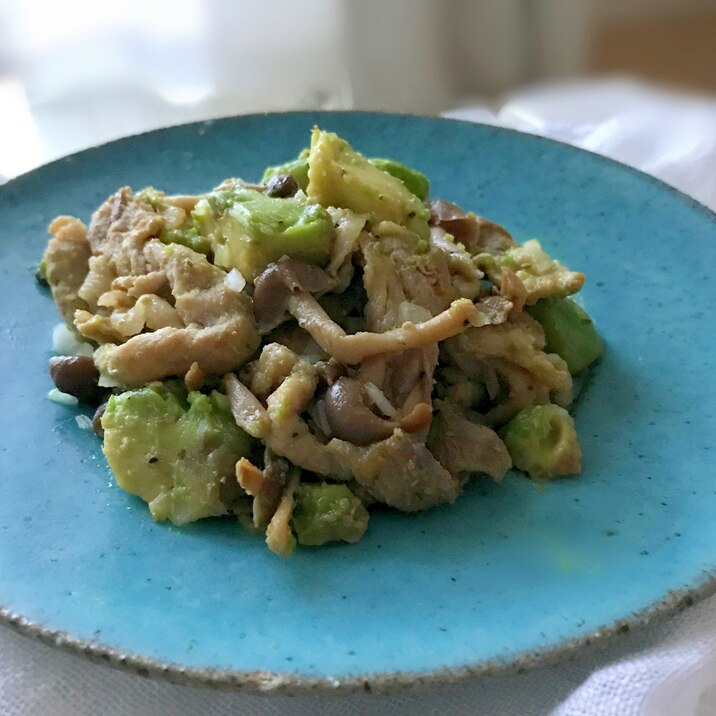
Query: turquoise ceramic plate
(511, 573)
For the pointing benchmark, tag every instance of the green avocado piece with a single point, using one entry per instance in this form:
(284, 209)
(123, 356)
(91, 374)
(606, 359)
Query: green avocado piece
(569, 331)
(188, 236)
(341, 177)
(414, 181)
(297, 168)
(184, 232)
(542, 441)
(328, 513)
(249, 230)
(172, 449)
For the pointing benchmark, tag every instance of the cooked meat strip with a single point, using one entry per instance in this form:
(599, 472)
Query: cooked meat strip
(540, 275)
(279, 536)
(461, 445)
(513, 290)
(120, 228)
(269, 370)
(514, 350)
(353, 348)
(66, 264)
(400, 471)
(219, 334)
(265, 486)
(280, 425)
(464, 273)
(246, 408)
(194, 378)
(348, 229)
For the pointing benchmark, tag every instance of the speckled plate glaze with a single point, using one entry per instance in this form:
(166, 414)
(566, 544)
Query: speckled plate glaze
(510, 575)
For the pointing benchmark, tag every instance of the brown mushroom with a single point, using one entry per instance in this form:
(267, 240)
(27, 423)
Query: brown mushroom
(281, 186)
(474, 232)
(350, 418)
(78, 376)
(273, 288)
(97, 419)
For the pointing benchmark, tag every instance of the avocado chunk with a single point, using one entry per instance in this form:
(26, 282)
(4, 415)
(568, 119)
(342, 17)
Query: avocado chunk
(328, 513)
(187, 236)
(172, 449)
(569, 331)
(414, 181)
(178, 227)
(542, 441)
(341, 177)
(297, 168)
(249, 230)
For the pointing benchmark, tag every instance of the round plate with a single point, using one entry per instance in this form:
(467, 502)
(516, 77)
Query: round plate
(509, 575)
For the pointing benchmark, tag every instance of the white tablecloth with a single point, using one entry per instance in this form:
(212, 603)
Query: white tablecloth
(664, 669)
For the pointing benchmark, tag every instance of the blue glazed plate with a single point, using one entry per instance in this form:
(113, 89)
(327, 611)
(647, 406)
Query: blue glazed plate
(511, 574)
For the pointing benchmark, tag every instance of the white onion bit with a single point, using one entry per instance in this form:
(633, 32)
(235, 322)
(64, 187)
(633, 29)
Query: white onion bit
(106, 381)
(57, 396)
(235, 280)
(379, 400)
(83, 422)
(66, 343)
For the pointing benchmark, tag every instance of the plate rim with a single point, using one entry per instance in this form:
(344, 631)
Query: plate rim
(671, 603)
(284, 683)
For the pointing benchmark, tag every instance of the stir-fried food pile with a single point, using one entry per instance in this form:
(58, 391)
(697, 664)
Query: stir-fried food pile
(297, 351)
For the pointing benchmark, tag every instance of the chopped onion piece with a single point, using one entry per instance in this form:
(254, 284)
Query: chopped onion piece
(106, 381)
(378, 398)
(66, 343)
(83, 422)
(235, 280)
(57, 396)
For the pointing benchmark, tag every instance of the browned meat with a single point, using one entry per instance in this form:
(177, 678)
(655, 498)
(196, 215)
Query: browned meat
(218, 333)
(400, 471)
(280, 425)
(541, 276)
(279, 535)
(513, 290)
(356, 347)
(194, 378)
(514, 351)
(461, 445)
(265, 486)
(120, 228)
(66, 264)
